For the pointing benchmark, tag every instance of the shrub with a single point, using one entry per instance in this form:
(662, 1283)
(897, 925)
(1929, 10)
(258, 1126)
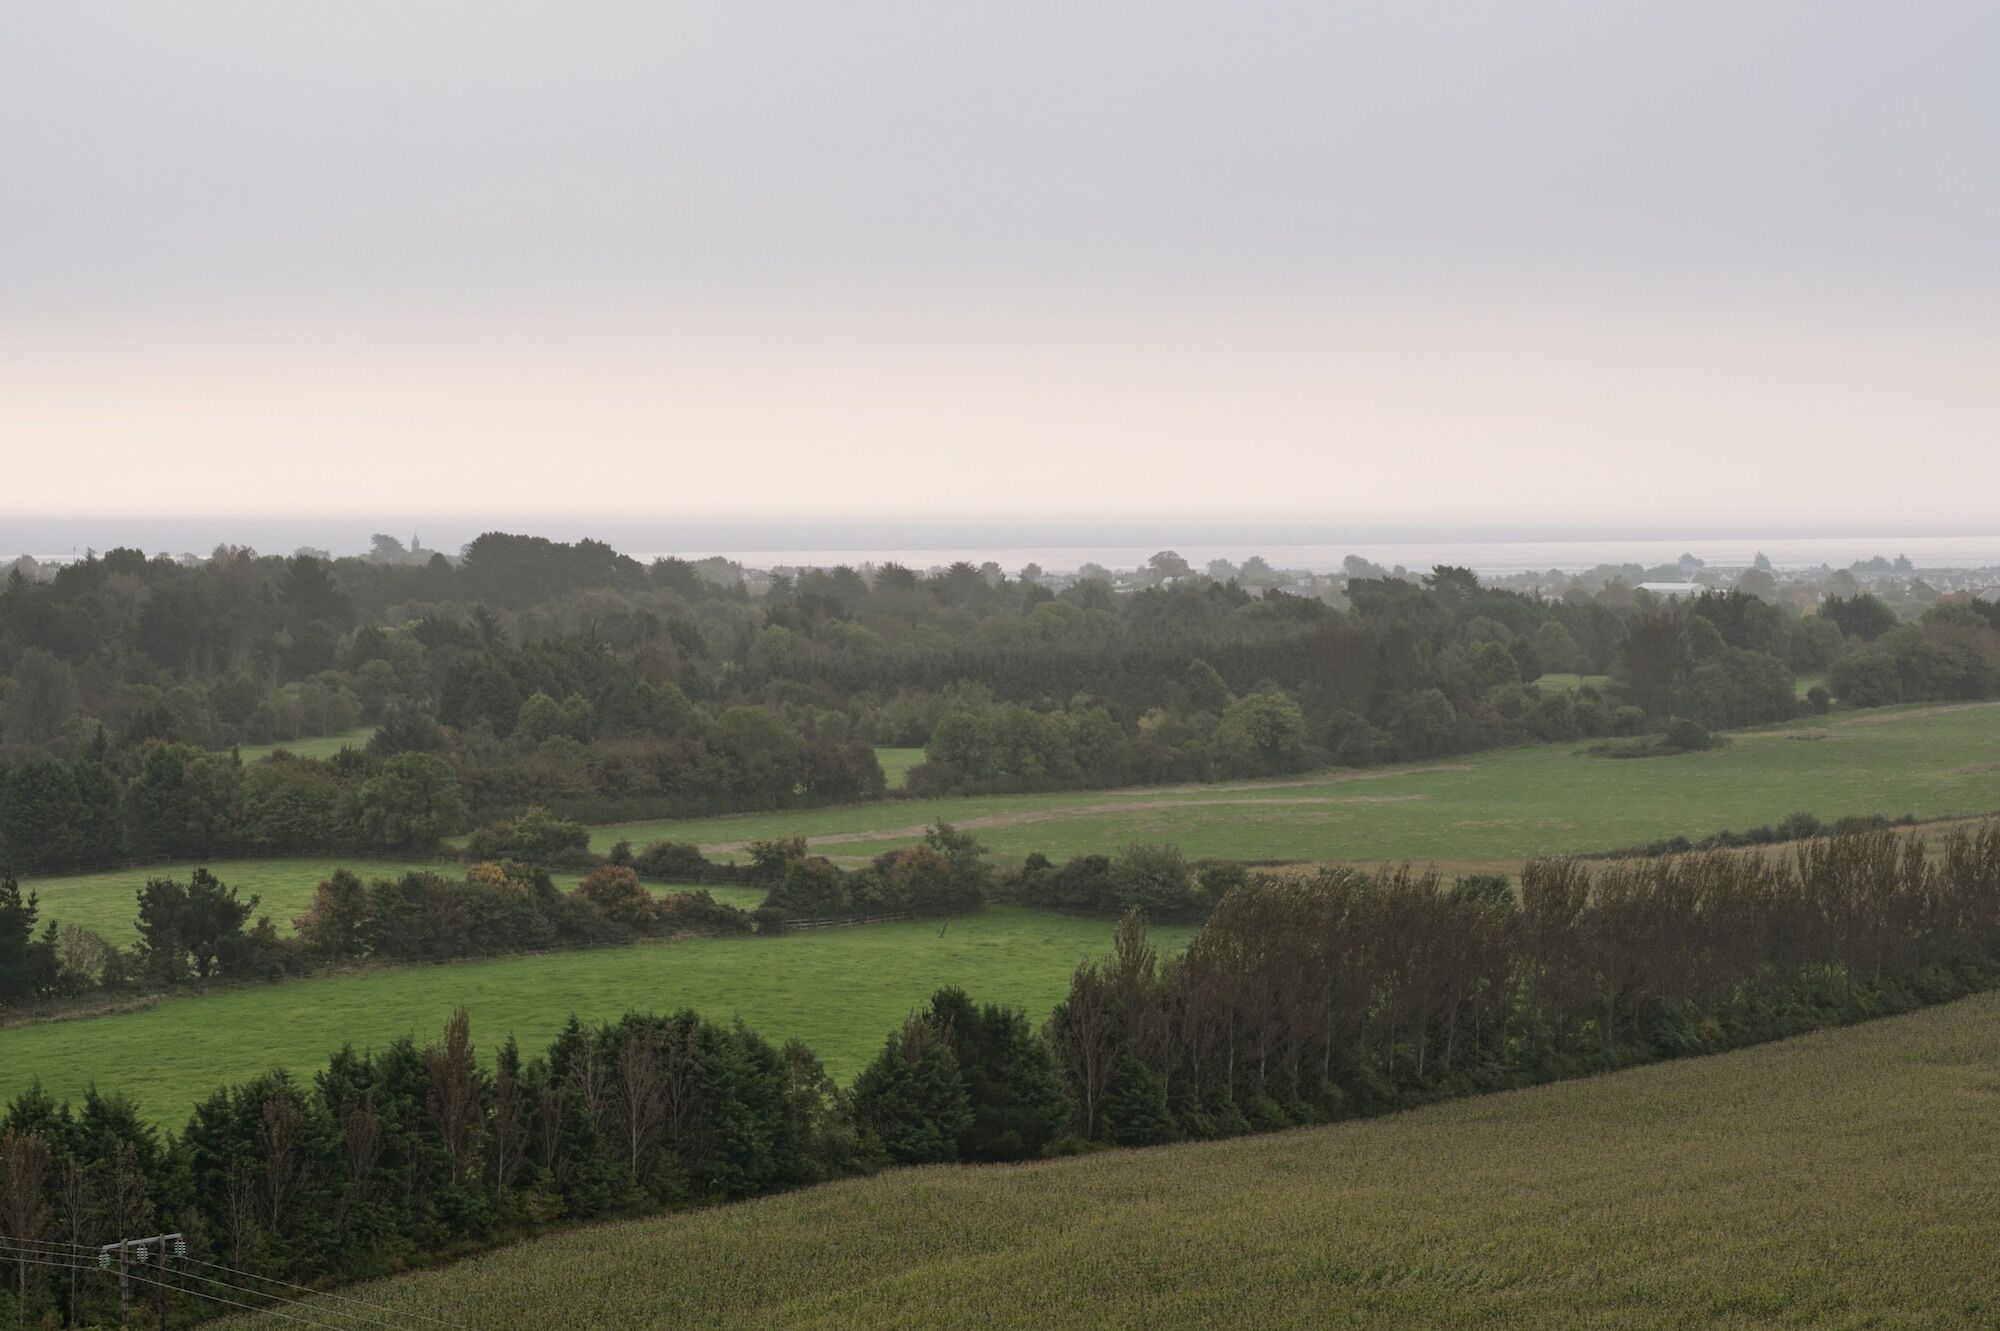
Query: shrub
(673, 861)
(619, 895)
(699, 912)
(1153, 879)
(1688, 736)
(535, 837)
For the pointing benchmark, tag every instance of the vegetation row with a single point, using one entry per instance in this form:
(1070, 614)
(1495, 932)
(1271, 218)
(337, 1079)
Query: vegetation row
(1299, 1001)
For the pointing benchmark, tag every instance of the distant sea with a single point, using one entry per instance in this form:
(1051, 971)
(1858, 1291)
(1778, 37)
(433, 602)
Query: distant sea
(1486, 557)
(1490, 558)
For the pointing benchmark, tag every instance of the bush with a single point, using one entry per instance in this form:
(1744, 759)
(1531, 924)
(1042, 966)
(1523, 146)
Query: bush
(1819, 699)
(700, 913)
(673, 862)
(535, 837)
(1218, 879)
(1688, 736)
(1155, 880)
(619, 895)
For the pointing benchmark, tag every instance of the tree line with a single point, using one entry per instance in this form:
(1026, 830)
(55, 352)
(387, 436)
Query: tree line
(535, 673)
(1301, 1000)
(201, 930)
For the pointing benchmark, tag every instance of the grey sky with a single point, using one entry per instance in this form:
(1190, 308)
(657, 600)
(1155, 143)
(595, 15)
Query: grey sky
(1435, 259)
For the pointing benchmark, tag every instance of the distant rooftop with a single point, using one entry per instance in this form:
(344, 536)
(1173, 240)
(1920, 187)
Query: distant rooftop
(1673, 588)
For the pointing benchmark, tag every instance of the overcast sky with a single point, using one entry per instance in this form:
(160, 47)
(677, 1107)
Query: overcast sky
(1571, 267)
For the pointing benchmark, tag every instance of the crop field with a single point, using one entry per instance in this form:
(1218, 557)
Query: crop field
(1482, 809)
(1841, 1180)
(840, 990)
(896, 763)
(107, 902)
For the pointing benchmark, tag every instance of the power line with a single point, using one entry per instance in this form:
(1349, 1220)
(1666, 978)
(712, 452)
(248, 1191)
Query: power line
(77, 1255)
(77, 1248)
(329, 1294)
(279, 1298)
(261, 1309)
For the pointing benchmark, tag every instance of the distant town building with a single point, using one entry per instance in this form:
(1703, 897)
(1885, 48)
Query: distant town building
(1673, 588)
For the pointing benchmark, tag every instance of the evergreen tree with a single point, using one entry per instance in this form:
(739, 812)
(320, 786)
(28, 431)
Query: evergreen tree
(39, 816)
(1135, 1108)
(27, 966)
(1016, 1096)
(912, 1097)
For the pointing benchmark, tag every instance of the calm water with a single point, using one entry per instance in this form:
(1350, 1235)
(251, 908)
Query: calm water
(1481, 557)
(1484, 557)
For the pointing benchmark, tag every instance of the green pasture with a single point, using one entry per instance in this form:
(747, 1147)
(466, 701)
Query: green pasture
(107, 901)
(840, 990)
(896, 764)
(1484, 808)
(1840, 1181)
(1568, 683)
(314, 746)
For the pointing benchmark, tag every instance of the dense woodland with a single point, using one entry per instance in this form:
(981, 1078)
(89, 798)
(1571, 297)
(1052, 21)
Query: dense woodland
(1300, 1001)
(531, 673)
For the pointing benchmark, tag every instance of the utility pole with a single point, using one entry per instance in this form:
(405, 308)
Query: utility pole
(155, 1250)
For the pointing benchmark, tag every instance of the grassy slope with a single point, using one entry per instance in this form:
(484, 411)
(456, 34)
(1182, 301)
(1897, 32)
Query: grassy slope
(107, 901)
(840, 990)
(1480, 808)
(1842, 1180)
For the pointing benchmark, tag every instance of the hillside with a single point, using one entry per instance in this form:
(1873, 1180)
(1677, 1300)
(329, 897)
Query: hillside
(1841, 1180)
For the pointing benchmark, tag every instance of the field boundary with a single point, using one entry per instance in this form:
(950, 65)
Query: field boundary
(152, 998)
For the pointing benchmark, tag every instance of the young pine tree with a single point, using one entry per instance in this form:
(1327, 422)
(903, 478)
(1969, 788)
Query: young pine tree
(912, 1097)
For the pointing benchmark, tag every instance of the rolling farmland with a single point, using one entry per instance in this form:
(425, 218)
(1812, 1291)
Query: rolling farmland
(1839, 1180)
(1479, 810)
(1494, 808)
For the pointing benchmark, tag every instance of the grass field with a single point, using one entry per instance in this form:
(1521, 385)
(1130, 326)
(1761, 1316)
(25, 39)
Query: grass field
(316, 746)
(1481, 810)
(1486, 809)
(107, 901)
(1839, 1181)
(896, 763)
(841, 990)
(1561, 683)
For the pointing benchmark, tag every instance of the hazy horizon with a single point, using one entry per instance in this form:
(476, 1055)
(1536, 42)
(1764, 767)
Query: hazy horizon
(1552, 265)
(1054, 548)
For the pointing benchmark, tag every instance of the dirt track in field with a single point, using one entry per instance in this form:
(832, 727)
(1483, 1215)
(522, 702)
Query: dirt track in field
(1027, 816)
(1825, 729)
